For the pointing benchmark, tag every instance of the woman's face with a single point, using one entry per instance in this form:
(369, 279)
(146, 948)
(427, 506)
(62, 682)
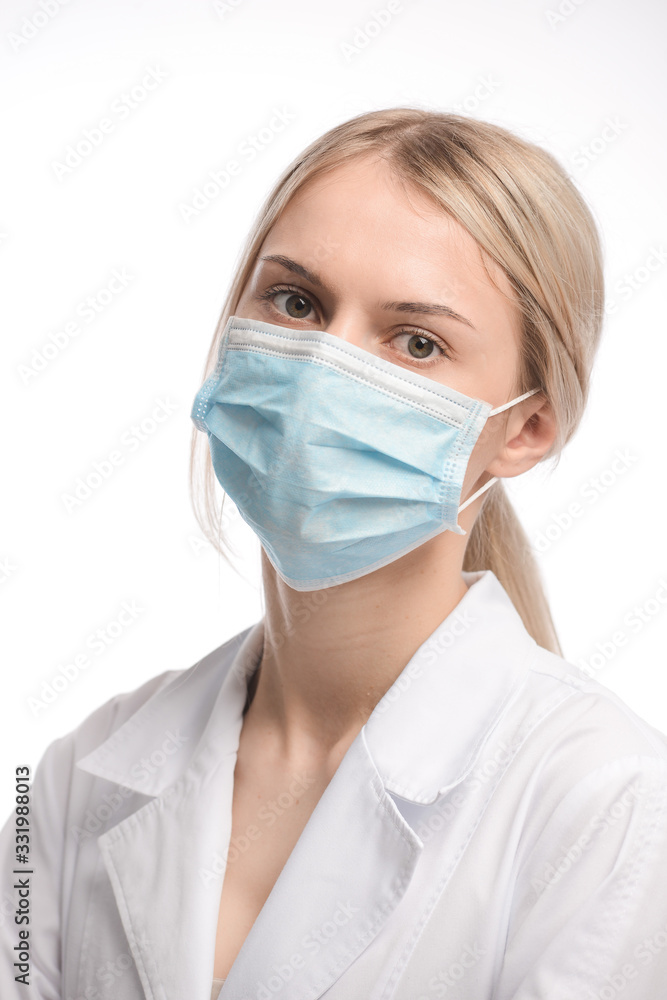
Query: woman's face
(376, 264)
(369, 260)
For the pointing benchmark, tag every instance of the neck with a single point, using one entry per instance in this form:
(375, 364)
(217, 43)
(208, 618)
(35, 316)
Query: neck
(330, 655)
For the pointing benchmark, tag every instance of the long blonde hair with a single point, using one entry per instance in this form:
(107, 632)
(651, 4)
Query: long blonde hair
(521, 207)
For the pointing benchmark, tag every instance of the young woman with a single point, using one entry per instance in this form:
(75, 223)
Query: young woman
(393, 785)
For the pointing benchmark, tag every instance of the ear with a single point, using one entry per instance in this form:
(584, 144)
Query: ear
(529, 433)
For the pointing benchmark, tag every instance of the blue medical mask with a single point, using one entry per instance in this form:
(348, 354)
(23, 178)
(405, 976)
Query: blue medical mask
(340, 461)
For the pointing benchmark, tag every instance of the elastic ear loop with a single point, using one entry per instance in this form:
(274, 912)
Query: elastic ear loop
(494, 479)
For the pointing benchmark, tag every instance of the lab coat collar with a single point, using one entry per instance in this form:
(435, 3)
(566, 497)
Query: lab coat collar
(424, 735)
(200, 707)
(451, 694)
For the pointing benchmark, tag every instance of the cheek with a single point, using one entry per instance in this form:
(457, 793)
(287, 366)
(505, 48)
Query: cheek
(486, 448)
(490, 437)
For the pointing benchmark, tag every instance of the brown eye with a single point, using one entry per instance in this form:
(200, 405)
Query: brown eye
(420, 347)
(296, 305)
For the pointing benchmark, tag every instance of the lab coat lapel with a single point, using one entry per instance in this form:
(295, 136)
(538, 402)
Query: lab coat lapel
(165, 890)
(348, 872)
(164, 860)
(346, 875)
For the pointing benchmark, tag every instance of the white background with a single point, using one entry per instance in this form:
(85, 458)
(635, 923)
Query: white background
(555, 78)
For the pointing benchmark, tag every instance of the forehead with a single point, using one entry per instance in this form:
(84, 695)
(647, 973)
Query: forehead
(363, 215)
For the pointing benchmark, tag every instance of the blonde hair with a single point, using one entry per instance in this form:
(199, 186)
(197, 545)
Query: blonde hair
(523, 210)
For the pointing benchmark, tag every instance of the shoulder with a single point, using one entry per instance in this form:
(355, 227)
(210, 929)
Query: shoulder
(597, 721)
(589, 853)
(577, 752)
(113, 713)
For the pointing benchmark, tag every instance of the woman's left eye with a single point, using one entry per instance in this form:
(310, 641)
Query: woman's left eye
(421, 348)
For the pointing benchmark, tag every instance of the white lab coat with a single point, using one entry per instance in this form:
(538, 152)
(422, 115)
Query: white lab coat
(497, 830)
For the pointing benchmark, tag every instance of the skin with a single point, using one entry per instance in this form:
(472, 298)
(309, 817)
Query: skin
(371, 238)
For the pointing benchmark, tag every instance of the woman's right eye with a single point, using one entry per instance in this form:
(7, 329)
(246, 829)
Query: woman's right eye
(296, 304)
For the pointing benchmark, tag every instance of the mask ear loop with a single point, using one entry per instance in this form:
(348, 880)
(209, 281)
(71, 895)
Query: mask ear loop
(494, 479)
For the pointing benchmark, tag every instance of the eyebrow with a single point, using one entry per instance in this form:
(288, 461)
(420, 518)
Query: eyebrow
(424, 308)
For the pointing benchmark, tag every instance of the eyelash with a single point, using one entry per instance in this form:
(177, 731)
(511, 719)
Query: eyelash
(270, 293)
